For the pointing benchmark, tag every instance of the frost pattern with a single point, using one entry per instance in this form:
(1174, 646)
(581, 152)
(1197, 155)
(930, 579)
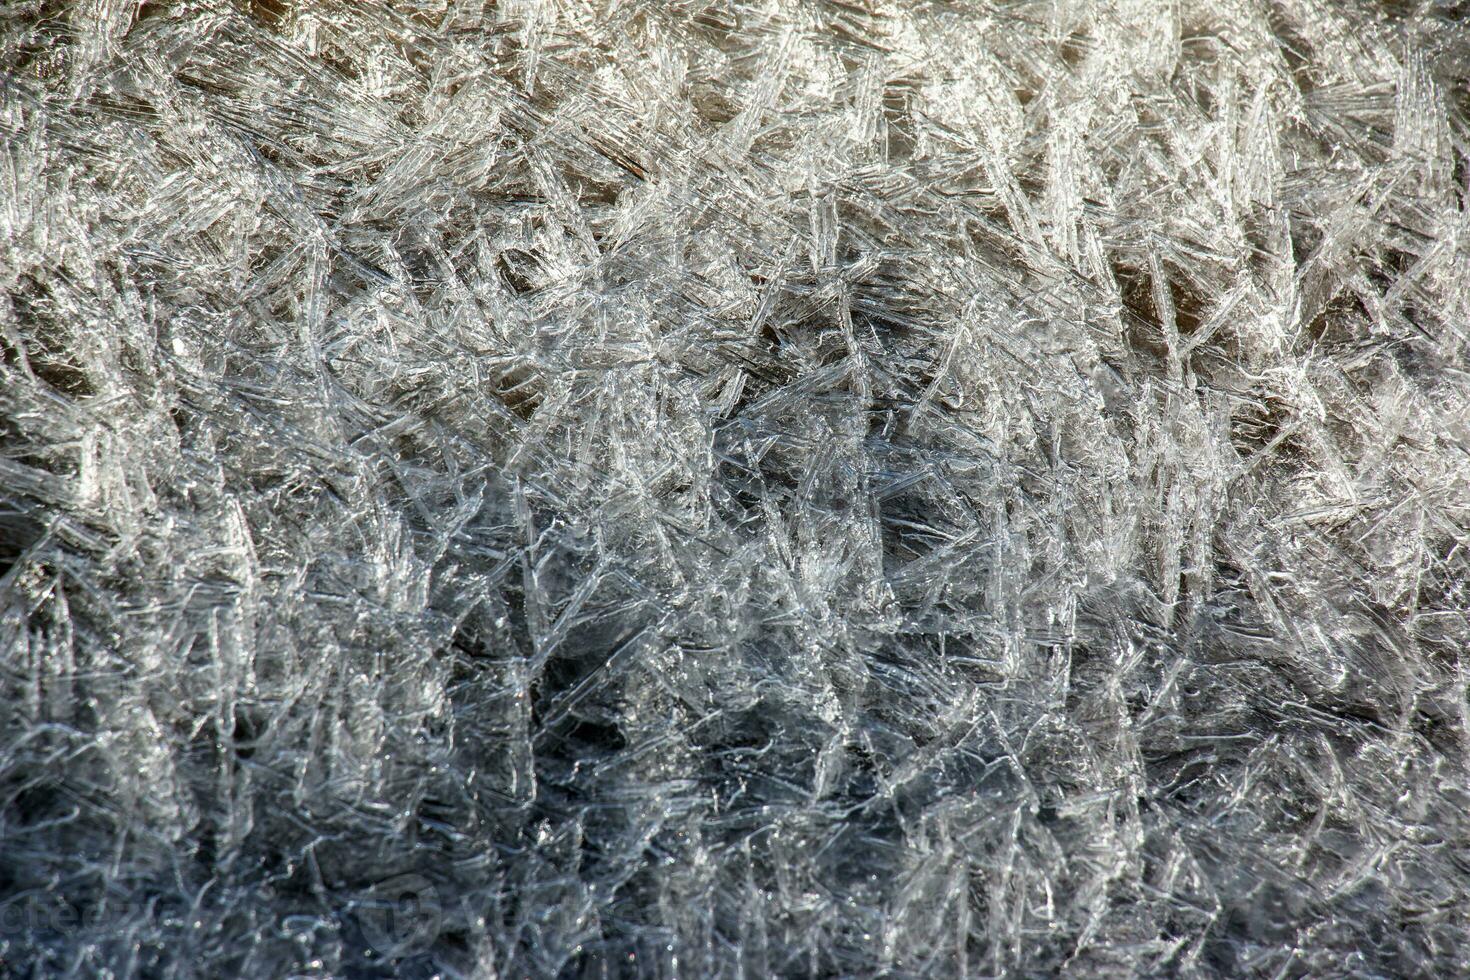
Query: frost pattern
(734, 487)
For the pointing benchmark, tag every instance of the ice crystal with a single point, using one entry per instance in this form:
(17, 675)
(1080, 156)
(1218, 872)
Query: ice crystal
(601, 488)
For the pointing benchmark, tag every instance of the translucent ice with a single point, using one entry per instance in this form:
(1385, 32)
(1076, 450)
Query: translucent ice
(597, 488)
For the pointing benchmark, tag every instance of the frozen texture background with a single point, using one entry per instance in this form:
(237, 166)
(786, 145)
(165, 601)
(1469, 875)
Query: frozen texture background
(734, 488)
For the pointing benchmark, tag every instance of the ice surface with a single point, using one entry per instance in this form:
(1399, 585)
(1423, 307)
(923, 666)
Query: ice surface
(603, 488)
